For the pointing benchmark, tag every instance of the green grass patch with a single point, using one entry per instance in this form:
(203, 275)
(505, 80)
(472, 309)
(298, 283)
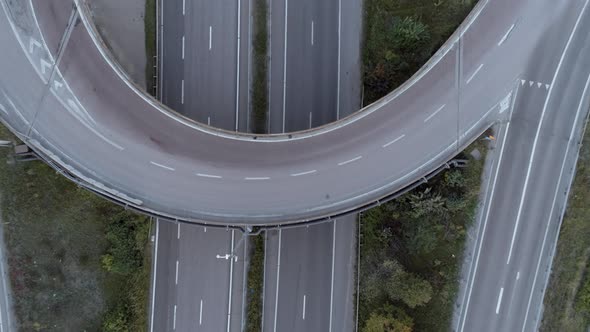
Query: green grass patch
(567, 301)
(260, 65)
(255, 285)
(150, 45)
(56, 234)
(401, 35)
(411, 252)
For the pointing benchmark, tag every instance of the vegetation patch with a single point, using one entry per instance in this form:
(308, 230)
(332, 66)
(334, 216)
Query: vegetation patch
(76, 262)
(401, 35)
(411, 252)
(150, 45)
(255, 285)
(260, 66)
(567, 301)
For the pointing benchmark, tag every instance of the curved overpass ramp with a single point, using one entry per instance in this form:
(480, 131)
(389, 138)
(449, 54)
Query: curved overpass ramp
(65, 96)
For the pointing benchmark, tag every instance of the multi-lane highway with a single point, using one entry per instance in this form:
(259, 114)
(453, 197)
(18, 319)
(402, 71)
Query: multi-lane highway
(123, 137)
(198, 278)
(204, 67)
(527, 192)
(309, 275)
(199, 282)
(63, 95)
(314, 70)
(309, 281)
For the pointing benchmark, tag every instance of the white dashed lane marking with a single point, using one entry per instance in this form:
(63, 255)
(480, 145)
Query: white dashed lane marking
(349, 161)
(304, 173)
(162, 166)
(394, 141)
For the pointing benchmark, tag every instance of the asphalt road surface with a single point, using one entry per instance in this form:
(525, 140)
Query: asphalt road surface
(199, 279)
(527, 192)
(314, 62)
(309, 280)
(200, 58)
(313, 294)
(194, 277)
(105, 132)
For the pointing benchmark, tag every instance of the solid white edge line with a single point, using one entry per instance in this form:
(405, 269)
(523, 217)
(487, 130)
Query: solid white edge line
(155, 275)
(349, 161)
(203, 175)
(249, 64)
(358, 269)
(244, 281)
(493, 176)
(160, 47)
(506, 34)
(176, 278)
(231, 279)
(394, 141)
(162, 166)
(474, 73)
(239, 33)
(553, 204)
(339, 59)
(434, 113)
(303, 173)
(285, 66)
(332, 285)
(528, 173)
(278, 276)
(264, 282)
(5, 293)
(499, 300)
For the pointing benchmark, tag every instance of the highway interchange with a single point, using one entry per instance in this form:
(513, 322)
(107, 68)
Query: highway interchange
(540, 143)
(253, 165)
(305, 277)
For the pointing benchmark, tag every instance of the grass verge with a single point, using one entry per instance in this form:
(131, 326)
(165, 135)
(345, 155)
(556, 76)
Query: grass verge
(567, 301)
(57, 236)
(150, 45)
(260, 66)
(411, 252)
(259, 125)
(255, 285)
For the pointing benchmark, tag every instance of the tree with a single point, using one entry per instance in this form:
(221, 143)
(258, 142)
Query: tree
(395, 321)
(411, 289)
(393, 281)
